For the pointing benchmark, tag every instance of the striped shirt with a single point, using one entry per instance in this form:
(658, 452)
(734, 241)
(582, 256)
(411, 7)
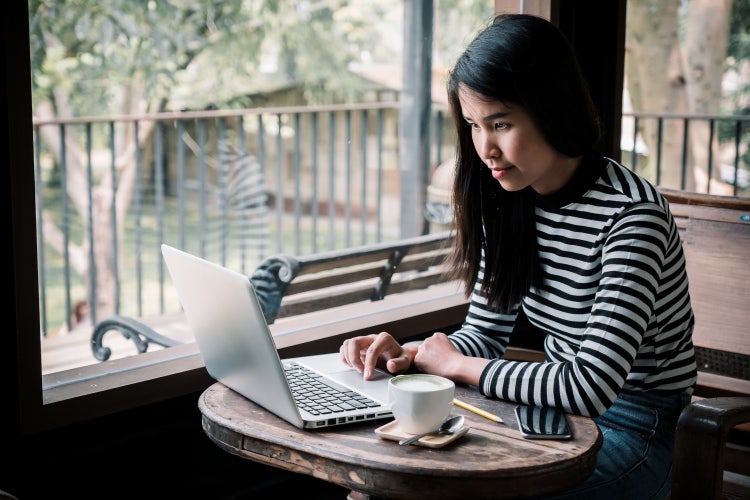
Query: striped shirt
(614, 303)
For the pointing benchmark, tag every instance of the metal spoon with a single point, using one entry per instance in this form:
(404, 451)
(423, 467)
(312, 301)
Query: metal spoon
(449, 426)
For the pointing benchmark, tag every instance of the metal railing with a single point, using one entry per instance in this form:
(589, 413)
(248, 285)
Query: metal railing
(235, 187)
(231, 186)
(704, 142)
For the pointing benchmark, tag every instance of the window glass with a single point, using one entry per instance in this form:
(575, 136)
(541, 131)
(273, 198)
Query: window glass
(234, 130)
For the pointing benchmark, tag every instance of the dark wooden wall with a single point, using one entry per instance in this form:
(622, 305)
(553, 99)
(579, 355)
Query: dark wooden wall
(156, 452)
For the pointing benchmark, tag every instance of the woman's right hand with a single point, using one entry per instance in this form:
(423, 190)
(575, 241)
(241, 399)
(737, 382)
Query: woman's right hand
(366, 353)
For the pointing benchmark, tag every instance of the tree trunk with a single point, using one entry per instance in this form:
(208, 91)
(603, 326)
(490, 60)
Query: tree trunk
(707, 27)
(98, 220)
(657, 84)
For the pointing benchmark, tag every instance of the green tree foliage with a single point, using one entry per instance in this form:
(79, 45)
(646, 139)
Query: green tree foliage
(100, 55)
(738, 48)
(738, 53)
(199, 52)
(95, 49)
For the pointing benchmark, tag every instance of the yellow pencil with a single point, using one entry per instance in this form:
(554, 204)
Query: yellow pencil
(478, 411)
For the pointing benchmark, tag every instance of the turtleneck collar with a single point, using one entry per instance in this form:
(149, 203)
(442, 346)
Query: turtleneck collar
(591, 168)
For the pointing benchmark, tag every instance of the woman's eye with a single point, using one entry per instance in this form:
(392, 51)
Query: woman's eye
(501, 126)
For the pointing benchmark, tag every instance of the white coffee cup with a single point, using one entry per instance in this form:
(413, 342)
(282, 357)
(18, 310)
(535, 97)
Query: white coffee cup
(420, 402)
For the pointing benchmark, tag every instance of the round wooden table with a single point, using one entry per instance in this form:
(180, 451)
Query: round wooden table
(492, 460)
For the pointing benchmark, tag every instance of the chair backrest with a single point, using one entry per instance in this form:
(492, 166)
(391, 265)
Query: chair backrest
(292, 285)
(715, 232)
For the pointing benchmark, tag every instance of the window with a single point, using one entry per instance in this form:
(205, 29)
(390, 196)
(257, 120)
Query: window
(58, 399)
(73, 395)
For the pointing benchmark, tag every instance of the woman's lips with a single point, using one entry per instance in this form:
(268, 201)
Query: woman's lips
(499, 172)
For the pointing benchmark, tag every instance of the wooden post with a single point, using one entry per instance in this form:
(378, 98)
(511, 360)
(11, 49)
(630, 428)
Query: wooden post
(414, 116)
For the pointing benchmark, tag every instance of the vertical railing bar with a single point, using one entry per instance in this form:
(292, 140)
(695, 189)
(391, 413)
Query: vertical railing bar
(262, 162)
(115, 224)
(137, 212)
(363, 194)
(40, 230)
(634, 153)
(331, 179)
(202, 193)
(683, 171)
(314, 211)
(89, 231)
(737, 136)
(379, 200)
(244, 222)
(222, 191)
(710, 166)
(159, 204)
(279, 186)
(65, 223)
(181, 187)
(439, 137)
(659, 135)
(262, 165)
(297, 183)
(348, 193)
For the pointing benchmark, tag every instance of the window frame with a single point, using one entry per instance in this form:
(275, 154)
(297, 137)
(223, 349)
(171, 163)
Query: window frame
(71, 396)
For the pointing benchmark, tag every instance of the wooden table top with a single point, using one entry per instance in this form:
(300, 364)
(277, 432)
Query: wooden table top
(491, 460)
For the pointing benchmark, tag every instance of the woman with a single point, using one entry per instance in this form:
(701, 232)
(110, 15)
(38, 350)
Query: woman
(552, 233)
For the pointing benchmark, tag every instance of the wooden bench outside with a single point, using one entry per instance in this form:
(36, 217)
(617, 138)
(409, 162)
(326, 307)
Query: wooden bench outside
(324, 280)
(290, 286)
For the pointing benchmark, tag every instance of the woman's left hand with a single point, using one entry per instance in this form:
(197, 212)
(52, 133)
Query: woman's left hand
(437, 355)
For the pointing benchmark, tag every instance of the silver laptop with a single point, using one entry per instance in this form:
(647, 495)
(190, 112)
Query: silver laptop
(239, 351)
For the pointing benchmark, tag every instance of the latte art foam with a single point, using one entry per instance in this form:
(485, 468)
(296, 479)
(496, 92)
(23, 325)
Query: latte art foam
(417, 383)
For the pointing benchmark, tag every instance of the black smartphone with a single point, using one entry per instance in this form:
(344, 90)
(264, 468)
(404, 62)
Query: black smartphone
(542, 422)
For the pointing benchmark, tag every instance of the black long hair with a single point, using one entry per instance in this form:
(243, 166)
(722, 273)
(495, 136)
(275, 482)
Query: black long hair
(525, 60)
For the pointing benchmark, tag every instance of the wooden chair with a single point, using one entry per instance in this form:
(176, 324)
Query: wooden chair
(706, 464)
(712, 448)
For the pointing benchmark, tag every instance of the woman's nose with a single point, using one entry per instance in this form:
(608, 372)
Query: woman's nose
(487, 148)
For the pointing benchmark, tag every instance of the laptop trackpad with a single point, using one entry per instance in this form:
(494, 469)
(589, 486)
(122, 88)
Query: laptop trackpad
(334, 368)
(376, 387)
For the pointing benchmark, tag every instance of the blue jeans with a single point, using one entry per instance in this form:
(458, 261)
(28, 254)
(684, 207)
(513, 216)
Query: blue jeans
(635, 460)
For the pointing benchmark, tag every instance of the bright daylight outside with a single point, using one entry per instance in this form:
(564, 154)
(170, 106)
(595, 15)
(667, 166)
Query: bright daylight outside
(242, 129)
(236, 131)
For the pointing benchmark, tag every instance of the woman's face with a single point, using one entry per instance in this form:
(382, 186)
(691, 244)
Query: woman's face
(511, 145)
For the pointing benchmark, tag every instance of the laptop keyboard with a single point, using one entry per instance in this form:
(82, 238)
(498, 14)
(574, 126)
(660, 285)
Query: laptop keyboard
(321, 396)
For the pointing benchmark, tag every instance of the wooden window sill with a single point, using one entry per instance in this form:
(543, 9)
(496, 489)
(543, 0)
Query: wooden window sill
(92, 391)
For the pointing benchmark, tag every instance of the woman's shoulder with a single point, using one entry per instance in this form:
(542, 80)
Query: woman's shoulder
(633, 188)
